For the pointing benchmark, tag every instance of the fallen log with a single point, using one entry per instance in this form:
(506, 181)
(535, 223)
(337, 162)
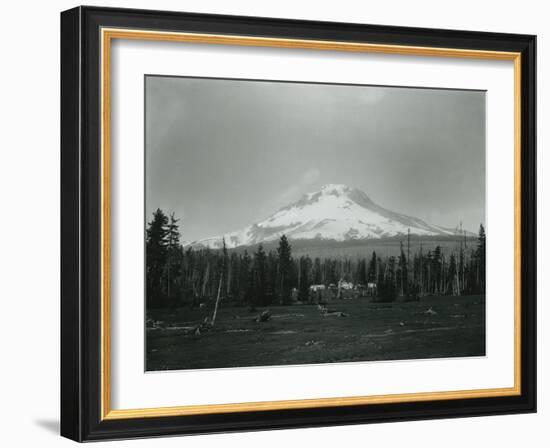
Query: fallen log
(328, 312)
(335, 313)
(264, 316)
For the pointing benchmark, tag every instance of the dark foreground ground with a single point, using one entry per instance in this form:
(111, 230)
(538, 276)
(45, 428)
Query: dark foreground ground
(434, 327)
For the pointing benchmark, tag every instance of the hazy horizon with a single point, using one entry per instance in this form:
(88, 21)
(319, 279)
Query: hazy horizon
(223, 154)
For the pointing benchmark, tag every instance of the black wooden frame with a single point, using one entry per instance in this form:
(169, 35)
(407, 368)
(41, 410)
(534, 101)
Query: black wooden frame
(80, 223)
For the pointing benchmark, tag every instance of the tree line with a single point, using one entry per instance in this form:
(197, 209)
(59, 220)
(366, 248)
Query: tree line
(177, 276)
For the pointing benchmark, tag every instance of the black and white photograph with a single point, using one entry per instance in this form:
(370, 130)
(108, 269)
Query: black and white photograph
(282, 219)
(297, 223)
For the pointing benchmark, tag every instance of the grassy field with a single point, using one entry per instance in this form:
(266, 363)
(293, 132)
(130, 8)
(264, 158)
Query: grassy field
(433, 327)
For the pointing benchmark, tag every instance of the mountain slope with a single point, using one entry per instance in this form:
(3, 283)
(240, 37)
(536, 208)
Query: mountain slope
(336, 212)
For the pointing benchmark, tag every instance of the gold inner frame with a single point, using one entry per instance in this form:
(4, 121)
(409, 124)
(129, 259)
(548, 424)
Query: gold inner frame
(107, 35)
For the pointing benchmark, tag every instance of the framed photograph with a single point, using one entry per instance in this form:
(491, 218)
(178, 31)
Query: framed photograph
(272, 223)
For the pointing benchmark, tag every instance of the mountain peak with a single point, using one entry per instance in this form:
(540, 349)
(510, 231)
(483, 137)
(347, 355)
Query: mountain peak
(335, 212)
(335, 188)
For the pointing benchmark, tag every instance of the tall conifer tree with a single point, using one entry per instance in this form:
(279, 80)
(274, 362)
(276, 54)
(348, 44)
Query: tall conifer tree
(156, 248)
(285, 270)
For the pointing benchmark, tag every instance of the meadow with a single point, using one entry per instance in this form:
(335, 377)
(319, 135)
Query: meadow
(362, 330)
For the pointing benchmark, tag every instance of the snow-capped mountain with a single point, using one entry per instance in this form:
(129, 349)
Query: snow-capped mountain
(336, 212)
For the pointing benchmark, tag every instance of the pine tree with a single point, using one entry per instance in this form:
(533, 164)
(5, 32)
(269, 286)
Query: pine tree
(372, 271)
(156, 249)
(285, 271)
(260, 274)
(452, 277)
(361, 272)
(272, 269)
(245, 280)
(172, 255)
(480, 255)
(387, 286)
(234, 285)
(317, 272)
(403, 274)
(304, 278)
(435, 270)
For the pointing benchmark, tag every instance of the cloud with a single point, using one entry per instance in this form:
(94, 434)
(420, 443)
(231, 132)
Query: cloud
(310, 176)
(307, 178)
(291, 193)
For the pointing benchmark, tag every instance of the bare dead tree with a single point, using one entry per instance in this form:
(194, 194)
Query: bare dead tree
(219, 285)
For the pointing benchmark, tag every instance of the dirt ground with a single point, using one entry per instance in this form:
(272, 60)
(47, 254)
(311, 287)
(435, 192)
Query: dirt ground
(434, 327)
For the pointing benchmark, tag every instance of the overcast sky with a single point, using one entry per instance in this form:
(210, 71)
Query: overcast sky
(223, 154)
